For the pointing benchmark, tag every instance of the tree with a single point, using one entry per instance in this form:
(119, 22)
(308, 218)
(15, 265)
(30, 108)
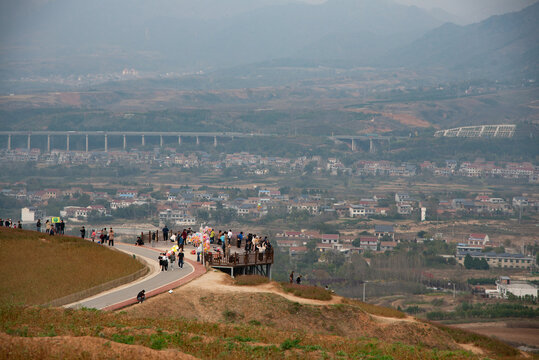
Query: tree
(468, 261)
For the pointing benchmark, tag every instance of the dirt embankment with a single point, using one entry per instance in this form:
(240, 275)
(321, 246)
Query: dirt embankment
(83, 347)
(214, 298)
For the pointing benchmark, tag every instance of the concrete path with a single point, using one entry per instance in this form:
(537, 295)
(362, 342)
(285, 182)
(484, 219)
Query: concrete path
(156, 282)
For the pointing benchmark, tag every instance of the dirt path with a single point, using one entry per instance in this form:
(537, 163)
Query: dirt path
(216, 281)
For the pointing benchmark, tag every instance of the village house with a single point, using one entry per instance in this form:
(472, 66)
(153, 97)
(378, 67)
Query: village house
(387, 245)
(31, 214)
(127, 194)
(368, 243)
(478, 239)
(503, 260)
(297, 250)
(381, 230)
(330, 238)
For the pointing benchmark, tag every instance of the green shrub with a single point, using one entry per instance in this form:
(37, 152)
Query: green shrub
(123, 338)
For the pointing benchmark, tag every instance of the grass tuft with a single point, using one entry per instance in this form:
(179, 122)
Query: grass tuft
(251, 280)
(307, 291)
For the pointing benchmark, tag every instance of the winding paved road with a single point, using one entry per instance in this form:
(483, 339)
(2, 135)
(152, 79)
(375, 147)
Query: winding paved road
(156, 282)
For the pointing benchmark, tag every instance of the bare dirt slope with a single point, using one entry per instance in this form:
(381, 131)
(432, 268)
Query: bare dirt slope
(84, 347)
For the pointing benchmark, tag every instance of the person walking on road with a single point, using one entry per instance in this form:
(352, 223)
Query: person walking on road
(180, 259)
(172, 260)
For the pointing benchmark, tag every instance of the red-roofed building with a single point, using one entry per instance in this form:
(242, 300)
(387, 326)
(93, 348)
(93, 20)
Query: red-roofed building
(297, 250)
(330, 238)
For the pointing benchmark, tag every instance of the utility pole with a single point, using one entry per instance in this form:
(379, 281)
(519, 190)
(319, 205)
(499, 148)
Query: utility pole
(364, 282)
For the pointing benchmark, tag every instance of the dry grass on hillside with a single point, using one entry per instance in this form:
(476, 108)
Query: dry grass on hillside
(88, 334)
(37, 268)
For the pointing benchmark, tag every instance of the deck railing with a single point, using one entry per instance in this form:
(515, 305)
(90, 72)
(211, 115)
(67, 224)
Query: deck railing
(237, 259)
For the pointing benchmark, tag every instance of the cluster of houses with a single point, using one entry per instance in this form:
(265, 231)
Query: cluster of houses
(295, 242)
(482, 168)
(476, 247)
(182, 205)
(484, 204)
(260, 165)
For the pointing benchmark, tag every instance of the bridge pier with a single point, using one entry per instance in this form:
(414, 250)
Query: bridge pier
(67, 142)
(106, 143)
(28, 145)
(125, 143)
(179, 140)
(353, 145)
(215, 141)
(142, 139)
(198, 141)
(161, 140)
(86, 142)
(9, 142)
(48, 143)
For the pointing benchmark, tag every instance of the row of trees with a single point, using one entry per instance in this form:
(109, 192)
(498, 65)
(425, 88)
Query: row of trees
(475, 263)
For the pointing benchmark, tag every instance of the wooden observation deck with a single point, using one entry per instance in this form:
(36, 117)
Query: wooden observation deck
(247, 263)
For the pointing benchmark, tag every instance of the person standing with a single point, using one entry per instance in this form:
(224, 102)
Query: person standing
(82, 232)
(165, 233)
(212, 236)
(172, 260)
(240, 238)
(111, 237)
(62, 227)
(182, 239)
(47, 227)
(298, 280)
(165, 261)
(93, 235)
(38, 225)
(291, 277)
(180, 259)
(19, 225)
(162, 261)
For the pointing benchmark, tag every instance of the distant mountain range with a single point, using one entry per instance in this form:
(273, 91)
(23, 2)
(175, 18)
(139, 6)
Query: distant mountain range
(79, 37)
(501, 44)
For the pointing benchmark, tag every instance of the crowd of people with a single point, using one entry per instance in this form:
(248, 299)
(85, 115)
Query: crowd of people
(10, 224)
(167, 260)
(102, 236)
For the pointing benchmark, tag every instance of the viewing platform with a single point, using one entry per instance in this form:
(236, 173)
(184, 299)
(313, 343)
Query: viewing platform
(246, 263)
(239, 262)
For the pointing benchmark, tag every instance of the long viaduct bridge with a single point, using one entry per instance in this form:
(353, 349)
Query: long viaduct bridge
(373, 139)
(143, 135)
